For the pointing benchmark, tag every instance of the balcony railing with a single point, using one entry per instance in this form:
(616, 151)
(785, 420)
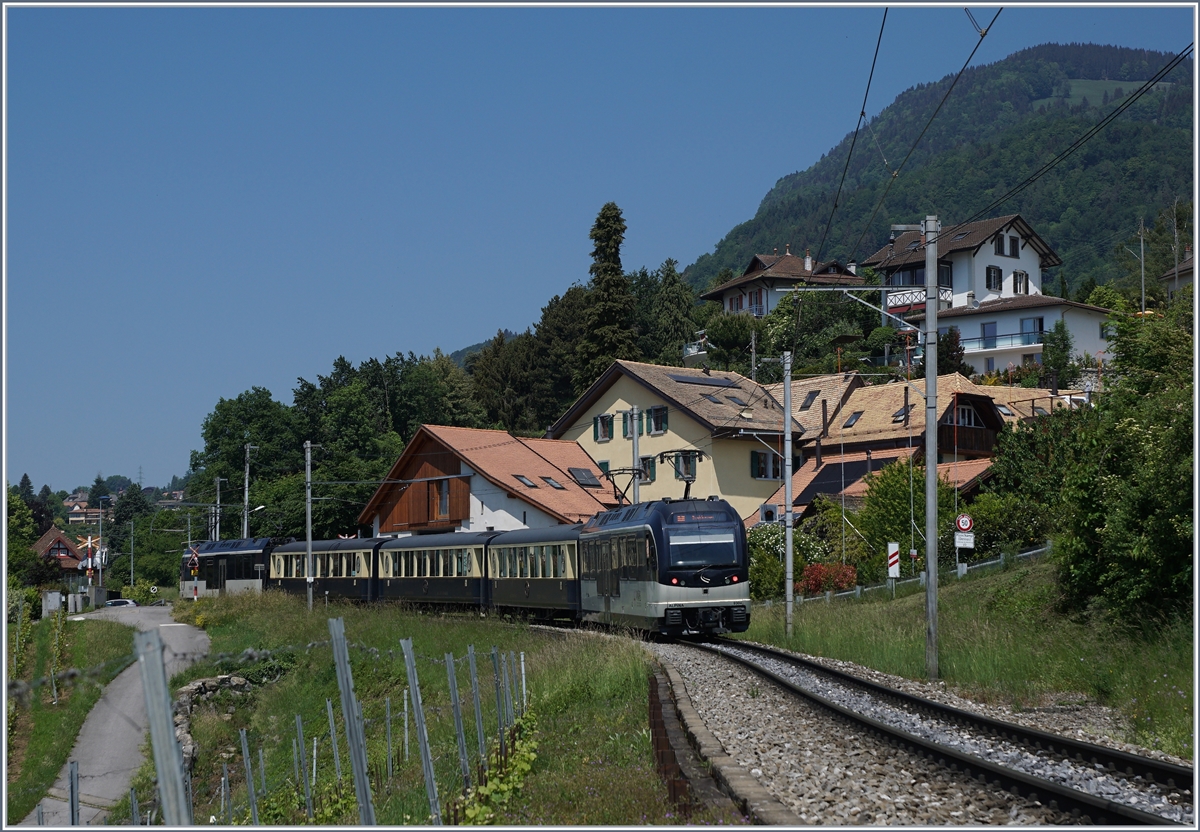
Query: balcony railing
(979, 440)
(757, 309)
(694, 348)
(998, 342)
(915, 295)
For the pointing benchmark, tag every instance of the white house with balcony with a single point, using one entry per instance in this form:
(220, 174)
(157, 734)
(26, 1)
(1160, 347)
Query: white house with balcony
(977, 262)
(1007, 332)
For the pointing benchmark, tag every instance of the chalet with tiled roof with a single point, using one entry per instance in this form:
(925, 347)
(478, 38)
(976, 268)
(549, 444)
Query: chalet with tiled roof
(55, 545)
(719, 430)
(466, 479)
(754, 291)
(817, 400)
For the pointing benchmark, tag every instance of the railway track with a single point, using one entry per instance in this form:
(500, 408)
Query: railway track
(1090, 782)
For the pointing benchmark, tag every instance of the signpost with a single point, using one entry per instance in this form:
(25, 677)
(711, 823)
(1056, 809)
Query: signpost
(964, 538)
(893, 560)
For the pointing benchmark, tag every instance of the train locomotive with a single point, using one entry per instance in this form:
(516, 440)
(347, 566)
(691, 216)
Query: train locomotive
(675, 567)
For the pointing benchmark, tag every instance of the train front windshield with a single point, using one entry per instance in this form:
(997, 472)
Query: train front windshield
(701, 539)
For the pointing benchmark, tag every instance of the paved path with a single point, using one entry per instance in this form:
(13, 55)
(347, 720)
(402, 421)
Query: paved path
(109, 747)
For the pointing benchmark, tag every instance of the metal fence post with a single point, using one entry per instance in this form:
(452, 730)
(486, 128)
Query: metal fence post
(406, 697)
(249, 778)
(302, 774)
(355, 741)
(168, 759)
(452, 676)
(524, 694)
(508, 697)
(478, 709)
(499, 697)
(314, 774)
(41, 821)
(387, 706)
(133, 807)
(295, 763)
(73, 791)
(226, 796)
(410, 667)
(337, 763)
(262, 770)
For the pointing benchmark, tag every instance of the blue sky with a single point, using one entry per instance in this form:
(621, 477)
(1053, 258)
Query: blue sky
(202, 200)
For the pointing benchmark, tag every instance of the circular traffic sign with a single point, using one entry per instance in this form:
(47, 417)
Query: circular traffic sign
(964, 523)
(153, 590)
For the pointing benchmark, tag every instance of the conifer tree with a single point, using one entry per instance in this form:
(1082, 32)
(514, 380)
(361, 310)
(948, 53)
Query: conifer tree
(608, 332)
(672, 315)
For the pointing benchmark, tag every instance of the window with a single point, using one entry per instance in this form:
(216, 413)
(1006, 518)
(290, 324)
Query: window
(989, 364)
(967, 417)
(899, 415)
(987, 333)
(1031, 331)
(627, 427)
(854, 417)
(1020, 283)
(603, 466)
(1031, 358)
(960, 236)
(1040, 411)
(1003, 408)
(584, 477)
(1014, 247)
(945, 275)
(995, 278)
(685, 465)
(443, 498)
(999, 244)
(765, 465)
(712, 398)
(1106, 332)
(649, 467)
(656, 420)
(553, 483)
(524, 480)
(736, 400)
(809, 398)
(602, 427)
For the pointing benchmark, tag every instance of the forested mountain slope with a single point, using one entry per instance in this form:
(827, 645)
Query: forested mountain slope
(1001, 123)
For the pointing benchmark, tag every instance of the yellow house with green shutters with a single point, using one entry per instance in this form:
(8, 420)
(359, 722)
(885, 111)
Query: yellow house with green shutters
(700, 431)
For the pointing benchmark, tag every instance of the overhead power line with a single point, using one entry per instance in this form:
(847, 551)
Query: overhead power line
(862, 115)
(896, 172)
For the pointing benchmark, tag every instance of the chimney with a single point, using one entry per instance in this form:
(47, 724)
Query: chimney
(868, 460)
(807, 261)
(776, 251)
(971, 299)
(818, 460)
(787, 249)
(1187, 252)
(853, 267)
(824, 417)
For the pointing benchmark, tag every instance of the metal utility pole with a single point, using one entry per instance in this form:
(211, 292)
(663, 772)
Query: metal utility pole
(217, 518)
(246, 493)
(131, 554)
(789, 589)
(308, 572)
(637, 462)
(1142, 242)
(932, 226)
(100, 545)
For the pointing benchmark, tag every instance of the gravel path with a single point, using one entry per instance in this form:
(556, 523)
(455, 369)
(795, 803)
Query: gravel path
(1084, 777)
(823, 770)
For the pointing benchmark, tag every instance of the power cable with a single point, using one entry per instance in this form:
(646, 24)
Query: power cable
(862, 115)
(896, 173)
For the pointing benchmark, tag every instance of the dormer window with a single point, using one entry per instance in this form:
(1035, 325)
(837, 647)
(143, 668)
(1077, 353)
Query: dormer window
(809, 399)
(999, 245)
(524, 480)
(854, 417)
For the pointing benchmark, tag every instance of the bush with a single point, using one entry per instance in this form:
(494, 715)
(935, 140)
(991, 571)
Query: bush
(822, 577)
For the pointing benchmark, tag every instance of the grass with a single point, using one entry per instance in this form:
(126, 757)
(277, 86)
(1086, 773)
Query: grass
(45, 733)
(594, 763)
(1001, 641)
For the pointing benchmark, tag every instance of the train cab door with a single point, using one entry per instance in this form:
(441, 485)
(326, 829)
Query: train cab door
(221, 569)
(609, 584)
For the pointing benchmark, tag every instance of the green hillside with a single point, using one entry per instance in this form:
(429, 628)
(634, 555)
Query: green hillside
(1002, 122)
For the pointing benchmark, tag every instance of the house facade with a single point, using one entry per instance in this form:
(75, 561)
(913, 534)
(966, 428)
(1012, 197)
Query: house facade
(55, 546)
(720, 430)
(1179, 278)
(1007, 332)
(464, 479)
(977, 262)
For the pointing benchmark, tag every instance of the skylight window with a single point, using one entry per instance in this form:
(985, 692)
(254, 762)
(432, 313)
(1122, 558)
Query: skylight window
(1041, 411)
(914, 245)
(524, 480)
(737, 401)
(809, 399)
(550, 481)
(1004, 410)
(584, 477)
(899, 415)
(712, 398)
(854, 417)
(959, 236)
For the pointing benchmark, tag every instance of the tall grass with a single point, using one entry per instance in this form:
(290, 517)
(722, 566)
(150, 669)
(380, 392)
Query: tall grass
(595, 763)
(1000, 640)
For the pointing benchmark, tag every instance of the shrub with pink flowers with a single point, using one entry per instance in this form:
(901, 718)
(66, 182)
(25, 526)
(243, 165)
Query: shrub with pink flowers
(821, 577)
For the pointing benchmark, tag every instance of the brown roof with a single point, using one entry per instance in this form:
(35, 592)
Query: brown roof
(52, 536)
(1020, 401)
(686, 389)
(498, 457)
(966, 237)
(835, 472)
(991, 307)
(833, 388)
(786, 268)
(1185, 269)
(880, 403)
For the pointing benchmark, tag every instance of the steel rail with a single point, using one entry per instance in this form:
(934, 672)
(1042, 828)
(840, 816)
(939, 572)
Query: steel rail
(1113, 760)
(1062, 798)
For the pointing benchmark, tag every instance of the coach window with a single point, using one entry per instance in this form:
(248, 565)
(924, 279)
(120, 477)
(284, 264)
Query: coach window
(561, 560)
(523, 561)
(301, 566)
(547, 557)
(651, 555)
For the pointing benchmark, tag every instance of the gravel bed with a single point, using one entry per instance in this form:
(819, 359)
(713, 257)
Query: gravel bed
(1147, 797)
(827, 772)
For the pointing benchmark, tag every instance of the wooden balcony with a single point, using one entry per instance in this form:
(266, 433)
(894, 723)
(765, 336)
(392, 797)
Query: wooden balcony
(969, 440)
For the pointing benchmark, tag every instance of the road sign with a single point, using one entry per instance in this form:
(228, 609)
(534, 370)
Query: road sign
(153, 590)
(964, 523)
(893, 560)
(964, 540)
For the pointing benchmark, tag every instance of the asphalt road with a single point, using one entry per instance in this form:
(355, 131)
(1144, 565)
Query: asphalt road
(109, 747)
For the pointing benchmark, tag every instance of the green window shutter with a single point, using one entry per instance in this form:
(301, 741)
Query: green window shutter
(596, 428)
(650, 469)
(665, 411)
(641, 422)
(625, 424)
(603, 466)
(754, 464)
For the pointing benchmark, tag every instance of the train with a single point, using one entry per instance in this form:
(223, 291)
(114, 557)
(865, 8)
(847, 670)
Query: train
(674, 567)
